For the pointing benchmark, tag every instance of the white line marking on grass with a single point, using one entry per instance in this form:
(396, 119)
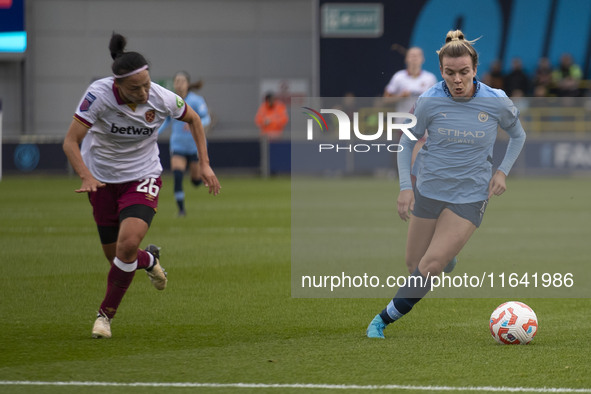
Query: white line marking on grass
(300, 386)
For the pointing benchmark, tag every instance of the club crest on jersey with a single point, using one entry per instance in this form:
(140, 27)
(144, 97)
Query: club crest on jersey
(87, 102)
(150, 115)
(483, 116)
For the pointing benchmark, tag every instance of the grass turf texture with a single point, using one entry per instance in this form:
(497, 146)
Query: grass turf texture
(227, 315)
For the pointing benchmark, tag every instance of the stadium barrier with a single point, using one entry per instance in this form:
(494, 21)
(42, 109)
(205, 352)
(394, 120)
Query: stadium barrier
(30, 154)
(558, 143)
(547, 154)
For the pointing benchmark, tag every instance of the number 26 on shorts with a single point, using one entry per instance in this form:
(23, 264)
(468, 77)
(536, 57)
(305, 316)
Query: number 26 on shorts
(149, 186)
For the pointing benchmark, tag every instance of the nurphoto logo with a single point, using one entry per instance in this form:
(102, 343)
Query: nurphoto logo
(393, 121)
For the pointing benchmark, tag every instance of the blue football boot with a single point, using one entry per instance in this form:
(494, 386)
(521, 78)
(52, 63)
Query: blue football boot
(376, 328)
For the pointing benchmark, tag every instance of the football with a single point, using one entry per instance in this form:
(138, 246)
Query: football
(513, 323)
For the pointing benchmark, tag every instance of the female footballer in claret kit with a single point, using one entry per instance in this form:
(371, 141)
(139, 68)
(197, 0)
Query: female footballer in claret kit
(117, 124)
(453, 170)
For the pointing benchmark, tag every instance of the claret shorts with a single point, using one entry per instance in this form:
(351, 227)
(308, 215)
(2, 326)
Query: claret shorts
(107, 202)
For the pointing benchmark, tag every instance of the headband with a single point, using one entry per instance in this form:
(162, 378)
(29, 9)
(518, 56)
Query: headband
(131, 72)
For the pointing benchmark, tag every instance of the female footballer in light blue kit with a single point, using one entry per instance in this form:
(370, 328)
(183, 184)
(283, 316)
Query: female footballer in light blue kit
(453, 170)
(183, 150)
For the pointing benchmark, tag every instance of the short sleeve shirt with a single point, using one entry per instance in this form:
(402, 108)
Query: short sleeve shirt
(121, 144)
(415, 86)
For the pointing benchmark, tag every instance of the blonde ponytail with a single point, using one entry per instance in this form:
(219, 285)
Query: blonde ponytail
(456, 45)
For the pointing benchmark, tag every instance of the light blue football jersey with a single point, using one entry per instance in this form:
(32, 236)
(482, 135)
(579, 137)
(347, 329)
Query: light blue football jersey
(181, 139)
(455, 165)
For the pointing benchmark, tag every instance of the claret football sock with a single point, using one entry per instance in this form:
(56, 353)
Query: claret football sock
(118, 282)
(145, 260)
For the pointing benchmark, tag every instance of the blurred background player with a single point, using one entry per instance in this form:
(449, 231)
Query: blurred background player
(271, 117)
(408, 84)
(454, 180)
(183, 150)
(116, 123)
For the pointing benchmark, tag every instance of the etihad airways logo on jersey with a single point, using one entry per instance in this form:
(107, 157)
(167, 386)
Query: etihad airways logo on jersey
(461, 133)
(132, 130)
(461, 136)
(344, 130)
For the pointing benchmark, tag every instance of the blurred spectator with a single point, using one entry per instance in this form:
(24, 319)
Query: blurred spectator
(517, 81)
(542, 78)
(410, 83)
(494, 77)
(541, 91)
(406, 85)
(567, 77)
(271, 117)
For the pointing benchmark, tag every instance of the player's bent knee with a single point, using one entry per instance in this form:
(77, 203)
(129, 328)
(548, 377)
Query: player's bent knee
(127, 248)
(433, 266)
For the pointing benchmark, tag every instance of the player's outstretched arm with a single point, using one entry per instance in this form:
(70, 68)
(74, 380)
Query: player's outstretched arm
(71, 147)
(207, 175)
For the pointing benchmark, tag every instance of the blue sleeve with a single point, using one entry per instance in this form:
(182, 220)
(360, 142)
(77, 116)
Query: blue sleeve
(164, 125)
(404, 159)
(509, 114)
(201, 109)
(198, 104)
(516, 142)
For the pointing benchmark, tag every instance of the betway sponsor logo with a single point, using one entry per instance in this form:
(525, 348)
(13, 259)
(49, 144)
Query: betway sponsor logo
(132, 130)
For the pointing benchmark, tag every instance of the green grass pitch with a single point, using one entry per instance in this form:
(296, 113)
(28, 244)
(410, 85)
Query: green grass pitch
(228, 317)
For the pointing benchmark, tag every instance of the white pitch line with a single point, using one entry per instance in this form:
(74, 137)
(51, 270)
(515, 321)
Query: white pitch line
(300, 386)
